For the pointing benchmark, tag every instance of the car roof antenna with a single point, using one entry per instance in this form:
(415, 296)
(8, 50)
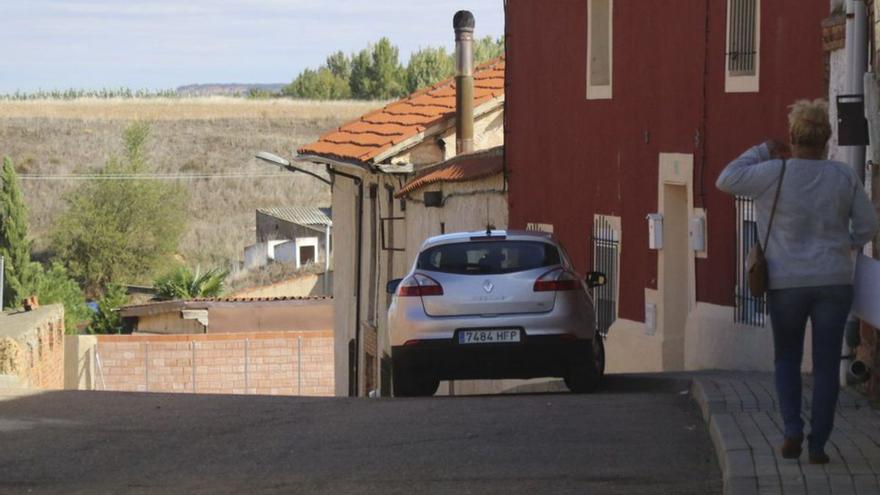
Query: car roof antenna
(488, 224)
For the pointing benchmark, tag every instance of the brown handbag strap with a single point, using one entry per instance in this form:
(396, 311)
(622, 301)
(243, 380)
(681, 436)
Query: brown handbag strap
(775, 202)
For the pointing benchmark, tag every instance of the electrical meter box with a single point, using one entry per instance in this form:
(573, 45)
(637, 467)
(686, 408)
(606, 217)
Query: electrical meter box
(655, 231)
(698, 234)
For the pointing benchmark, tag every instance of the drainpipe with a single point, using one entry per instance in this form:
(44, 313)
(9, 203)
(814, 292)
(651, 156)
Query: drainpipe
(856, 66)
(464, 23)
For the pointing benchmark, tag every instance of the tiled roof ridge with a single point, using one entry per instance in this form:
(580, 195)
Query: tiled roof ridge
(495, 151)
(449, 81)
(462, 168)
(367, 138)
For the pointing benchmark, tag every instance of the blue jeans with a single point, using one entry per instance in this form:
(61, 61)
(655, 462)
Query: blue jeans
(827, 307)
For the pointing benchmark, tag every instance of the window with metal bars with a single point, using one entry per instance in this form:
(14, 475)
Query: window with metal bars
(742, 37)
(750, 310)
(606, 259)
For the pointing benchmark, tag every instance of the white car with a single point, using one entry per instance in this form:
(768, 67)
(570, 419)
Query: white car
(493, 304)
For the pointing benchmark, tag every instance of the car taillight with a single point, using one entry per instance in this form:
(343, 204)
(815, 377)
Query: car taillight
(557, 280)
(419, 285)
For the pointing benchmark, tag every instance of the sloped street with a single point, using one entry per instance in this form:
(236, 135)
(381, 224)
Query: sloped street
(642, 434)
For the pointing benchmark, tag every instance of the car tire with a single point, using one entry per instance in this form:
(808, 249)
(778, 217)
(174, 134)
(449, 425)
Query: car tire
(599, 354)
(584, 375)
(408, 383)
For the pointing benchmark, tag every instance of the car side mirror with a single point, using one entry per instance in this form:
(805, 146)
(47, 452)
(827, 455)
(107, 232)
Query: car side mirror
(391, 286)
(596, 279)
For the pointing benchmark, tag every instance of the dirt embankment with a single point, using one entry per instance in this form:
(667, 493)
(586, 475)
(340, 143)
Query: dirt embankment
(190, 136)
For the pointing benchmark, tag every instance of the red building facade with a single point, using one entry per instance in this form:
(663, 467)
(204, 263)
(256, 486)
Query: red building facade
(681, 88)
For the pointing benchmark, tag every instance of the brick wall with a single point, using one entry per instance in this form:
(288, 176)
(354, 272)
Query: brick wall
(32, 347)
(271, 363)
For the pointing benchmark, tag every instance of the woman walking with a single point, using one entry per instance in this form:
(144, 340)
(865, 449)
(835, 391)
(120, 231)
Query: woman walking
(821, 218)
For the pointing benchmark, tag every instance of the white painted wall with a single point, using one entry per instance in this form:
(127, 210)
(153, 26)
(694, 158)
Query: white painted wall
(344, 212)
(459, 214)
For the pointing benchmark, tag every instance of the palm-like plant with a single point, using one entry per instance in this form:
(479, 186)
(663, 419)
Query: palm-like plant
(182, 283)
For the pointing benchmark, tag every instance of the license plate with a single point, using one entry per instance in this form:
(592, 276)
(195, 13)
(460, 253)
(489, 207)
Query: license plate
(501, 335)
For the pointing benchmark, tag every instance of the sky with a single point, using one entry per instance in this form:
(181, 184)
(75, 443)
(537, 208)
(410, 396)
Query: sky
(162, 44)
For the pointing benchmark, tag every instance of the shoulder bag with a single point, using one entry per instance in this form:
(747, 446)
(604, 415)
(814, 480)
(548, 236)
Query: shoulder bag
(757, 261)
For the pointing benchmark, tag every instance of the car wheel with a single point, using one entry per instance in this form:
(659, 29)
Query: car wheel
(584, 375)
(599, 354)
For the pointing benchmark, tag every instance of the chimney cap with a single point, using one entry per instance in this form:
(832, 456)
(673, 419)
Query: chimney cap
(463, 21)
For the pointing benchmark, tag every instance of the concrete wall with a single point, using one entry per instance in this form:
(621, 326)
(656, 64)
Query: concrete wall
(711, 341)
(303, 286)
(170, 322)
(269, 363)
(32, 348)
(345, 227)
(458, 214)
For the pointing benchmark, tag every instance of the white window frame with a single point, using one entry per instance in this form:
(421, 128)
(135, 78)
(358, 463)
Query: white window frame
(600, 92)
(743, 83)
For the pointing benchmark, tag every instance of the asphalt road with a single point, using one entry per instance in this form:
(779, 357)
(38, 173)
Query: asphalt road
(638, 436)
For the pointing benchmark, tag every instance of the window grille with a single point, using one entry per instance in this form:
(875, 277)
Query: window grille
(742, 36)
(750, 310)
(605, 246)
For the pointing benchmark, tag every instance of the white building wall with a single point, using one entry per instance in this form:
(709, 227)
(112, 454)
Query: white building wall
(458, 214)
(344, 218)
(286, 253)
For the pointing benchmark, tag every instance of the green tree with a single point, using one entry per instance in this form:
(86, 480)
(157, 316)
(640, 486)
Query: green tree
(321, 84)
(385, 73)
(54, 286)
(14, 245)
(428, 66)
(359, 81)
(107, 319)
(182, 283)
(486, 49)
(116, 231)
(340, 65)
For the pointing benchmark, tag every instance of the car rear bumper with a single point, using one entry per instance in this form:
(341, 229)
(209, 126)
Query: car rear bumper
(536, 356)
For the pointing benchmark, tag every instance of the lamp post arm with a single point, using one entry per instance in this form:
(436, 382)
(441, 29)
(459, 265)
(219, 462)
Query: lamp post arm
(294, 168)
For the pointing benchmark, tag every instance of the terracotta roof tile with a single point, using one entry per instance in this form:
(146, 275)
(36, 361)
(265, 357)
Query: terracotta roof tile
(461, 168)
(374, 133)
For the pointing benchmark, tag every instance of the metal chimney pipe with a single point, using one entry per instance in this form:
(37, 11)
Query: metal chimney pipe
(464, 23)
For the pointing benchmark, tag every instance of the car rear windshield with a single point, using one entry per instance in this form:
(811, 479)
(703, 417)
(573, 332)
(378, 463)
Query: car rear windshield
(488, 257)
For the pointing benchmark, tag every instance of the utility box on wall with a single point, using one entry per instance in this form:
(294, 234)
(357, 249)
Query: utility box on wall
(698, 234)
(655, 231)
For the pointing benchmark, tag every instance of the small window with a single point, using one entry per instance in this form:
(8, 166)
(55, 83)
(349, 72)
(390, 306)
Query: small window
(743, 46)
(606, 259)
(599, 49)
(750, 310)
(489, 258)
(306, 255)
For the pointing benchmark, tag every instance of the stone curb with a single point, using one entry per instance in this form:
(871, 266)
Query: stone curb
(734, 454)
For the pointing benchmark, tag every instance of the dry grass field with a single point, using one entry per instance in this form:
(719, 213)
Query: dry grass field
(199, 135)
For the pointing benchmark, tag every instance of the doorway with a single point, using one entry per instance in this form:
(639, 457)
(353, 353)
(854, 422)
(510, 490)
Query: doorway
(676, 272)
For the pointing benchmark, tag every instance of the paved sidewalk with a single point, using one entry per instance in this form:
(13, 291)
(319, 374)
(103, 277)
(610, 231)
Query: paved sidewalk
(746, 429)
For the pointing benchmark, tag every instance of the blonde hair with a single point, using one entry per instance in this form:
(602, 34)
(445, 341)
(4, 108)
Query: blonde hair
(808, 124)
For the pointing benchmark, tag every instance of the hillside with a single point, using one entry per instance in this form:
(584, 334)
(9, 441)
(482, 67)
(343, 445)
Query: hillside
(197, 135)
(226, 89)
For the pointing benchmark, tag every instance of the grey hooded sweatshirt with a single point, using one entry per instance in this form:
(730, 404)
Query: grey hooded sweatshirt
(822, 216)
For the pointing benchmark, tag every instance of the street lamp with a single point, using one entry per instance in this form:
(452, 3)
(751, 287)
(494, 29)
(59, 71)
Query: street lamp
(285, 164)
